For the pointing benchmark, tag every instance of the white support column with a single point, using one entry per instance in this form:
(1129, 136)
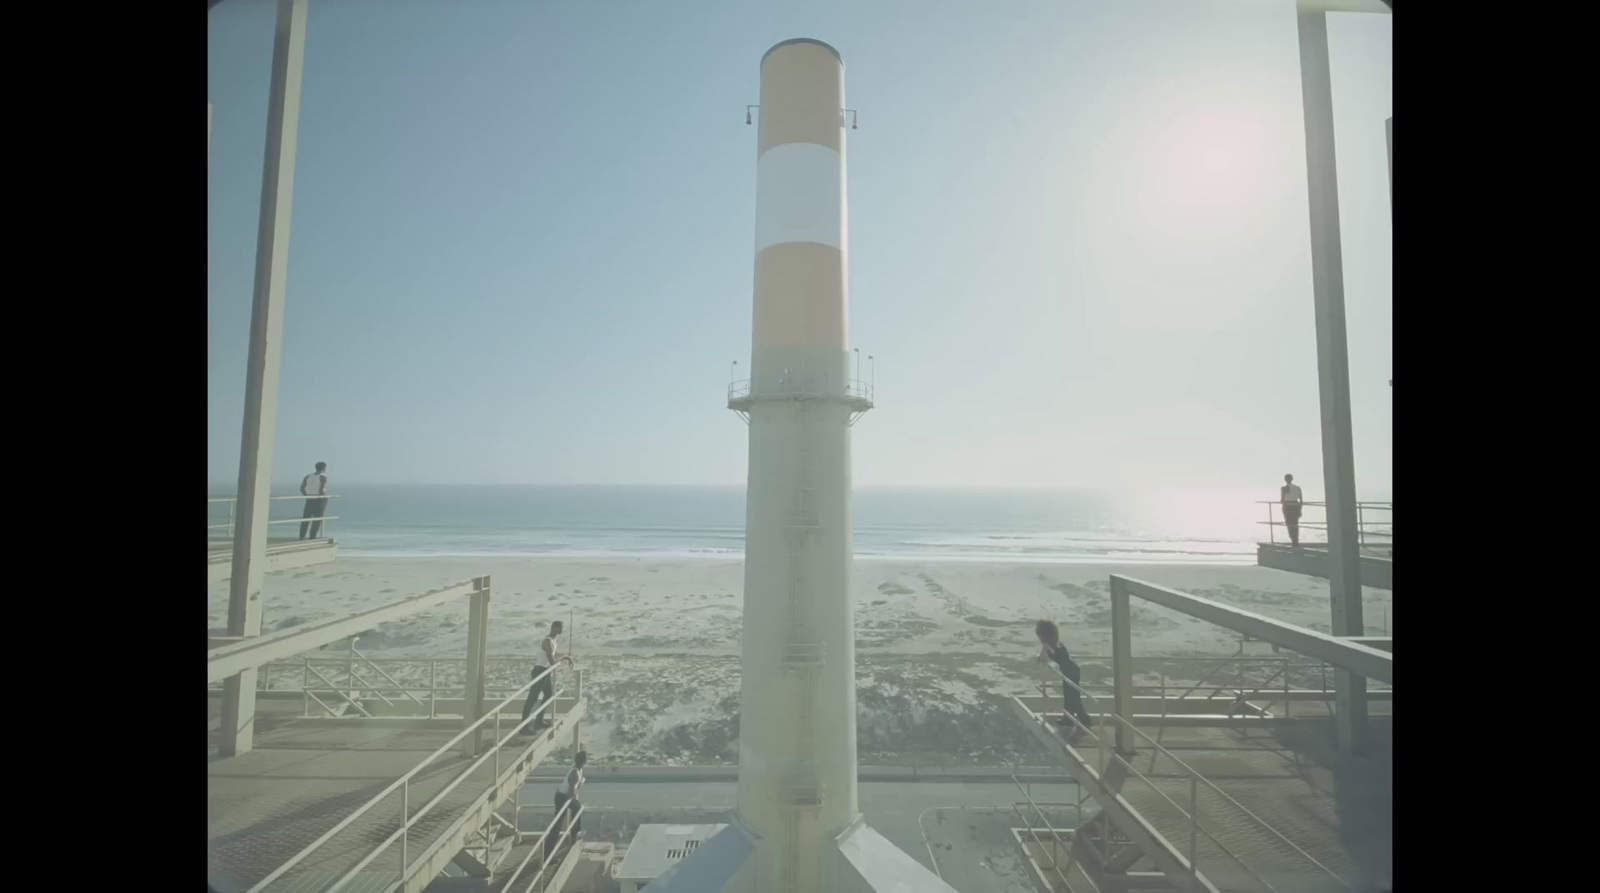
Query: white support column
(1388, 138)
(1333, 364)
(577, 695)
(261, 374)
(1122, 663)
(477, 652)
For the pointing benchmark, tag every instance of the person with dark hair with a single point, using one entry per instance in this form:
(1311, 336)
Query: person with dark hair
(1289, 496)
(543, 690)
(567, 796)
(314, 487)
(1052, 650)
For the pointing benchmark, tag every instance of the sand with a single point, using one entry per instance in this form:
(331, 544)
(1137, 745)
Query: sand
(939, 643)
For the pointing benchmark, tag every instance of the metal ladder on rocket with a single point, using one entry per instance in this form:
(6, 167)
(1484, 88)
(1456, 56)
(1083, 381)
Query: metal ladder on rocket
(802, 655)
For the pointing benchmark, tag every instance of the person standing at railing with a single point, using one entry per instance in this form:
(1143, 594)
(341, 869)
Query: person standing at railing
(1052, 650)
(543, 690)
(1289, 496)
(567, 797)
(314, 487)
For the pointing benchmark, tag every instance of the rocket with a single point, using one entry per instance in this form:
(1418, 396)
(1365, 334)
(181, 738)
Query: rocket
(797, 828)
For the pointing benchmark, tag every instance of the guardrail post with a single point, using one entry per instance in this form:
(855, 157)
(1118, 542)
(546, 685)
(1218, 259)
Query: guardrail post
(477, 646)
(577, 695)
(1122, 662)
(1194, 821)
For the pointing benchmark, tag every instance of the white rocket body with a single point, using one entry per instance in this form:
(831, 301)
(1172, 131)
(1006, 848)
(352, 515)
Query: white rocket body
(797, 723)
(798, 829)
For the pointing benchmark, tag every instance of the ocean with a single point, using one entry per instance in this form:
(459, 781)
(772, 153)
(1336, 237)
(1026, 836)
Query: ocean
(1211, 526)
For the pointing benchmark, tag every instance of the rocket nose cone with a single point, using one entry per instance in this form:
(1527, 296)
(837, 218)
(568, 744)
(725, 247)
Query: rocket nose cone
(794, 40)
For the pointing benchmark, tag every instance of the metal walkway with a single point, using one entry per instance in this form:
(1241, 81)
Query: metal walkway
(283, 553)
(306, 777)
(1281, 811)
(1311, 560)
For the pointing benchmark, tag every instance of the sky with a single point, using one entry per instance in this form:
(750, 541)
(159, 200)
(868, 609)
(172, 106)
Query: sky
(522, 240)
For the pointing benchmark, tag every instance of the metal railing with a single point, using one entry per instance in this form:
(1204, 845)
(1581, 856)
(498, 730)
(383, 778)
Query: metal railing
(1381, 531)
(1057, 835)
(423, 693)
(543, 846)
(1108, 721)
(854, 388)
(402, 785)
(1280, 686)
(232, 502)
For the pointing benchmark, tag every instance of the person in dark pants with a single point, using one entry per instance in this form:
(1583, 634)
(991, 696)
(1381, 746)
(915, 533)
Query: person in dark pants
(567, 797)
(314, 487)
(1053, 651)
(1289, 497)
(543, 690)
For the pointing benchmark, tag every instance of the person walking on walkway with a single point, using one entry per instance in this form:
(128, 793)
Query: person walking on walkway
(543, 690)
(1289, 496)
(567, 796)
(314, 487)
(1052, 650)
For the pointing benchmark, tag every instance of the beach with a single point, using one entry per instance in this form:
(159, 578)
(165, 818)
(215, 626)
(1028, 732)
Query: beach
(939, 644)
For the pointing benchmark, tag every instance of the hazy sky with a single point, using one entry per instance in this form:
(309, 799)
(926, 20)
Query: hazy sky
(522, 244)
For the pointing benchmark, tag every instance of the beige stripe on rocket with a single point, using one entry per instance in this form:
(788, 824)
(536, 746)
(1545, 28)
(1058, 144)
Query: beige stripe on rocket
(802, 92)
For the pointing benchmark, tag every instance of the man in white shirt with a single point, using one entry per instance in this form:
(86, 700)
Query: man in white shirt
(314, 487)
(542, 690)
(1289, 496)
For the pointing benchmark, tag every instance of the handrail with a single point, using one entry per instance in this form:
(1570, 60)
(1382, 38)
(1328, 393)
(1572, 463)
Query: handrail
(276, 521)
(1342, 652)
(792, 386)
(1055, 835)
(379, 670)
(232, 502)
(543, 845)
(1195, 777)
(404, 782)
(1378, 506)
(408, 822)
(1364, 528)
(211, 499)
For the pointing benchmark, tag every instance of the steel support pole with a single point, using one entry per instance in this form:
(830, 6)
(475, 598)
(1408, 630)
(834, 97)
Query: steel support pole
(477, 649)
(1122, 664)
(577, 695)
(1333, 366)
(261, 373)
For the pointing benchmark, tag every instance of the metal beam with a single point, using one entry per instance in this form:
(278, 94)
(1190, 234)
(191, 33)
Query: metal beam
(261, 371)
(477, 649)
(1343, 653)
(1122, 661)
(1382, 643)
(1333, 360)
(231, 661)
(1377, 6)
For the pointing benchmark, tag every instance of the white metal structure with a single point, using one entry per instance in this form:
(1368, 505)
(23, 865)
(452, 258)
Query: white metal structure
(1333, 354)
(797, 827)
(261, 372)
